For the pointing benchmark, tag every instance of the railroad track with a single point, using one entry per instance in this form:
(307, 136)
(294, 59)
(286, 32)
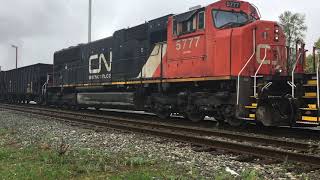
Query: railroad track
(277, 132)
(261, 146)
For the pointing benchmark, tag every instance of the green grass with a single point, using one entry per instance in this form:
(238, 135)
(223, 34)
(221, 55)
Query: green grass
(35, 163)
(42, 161)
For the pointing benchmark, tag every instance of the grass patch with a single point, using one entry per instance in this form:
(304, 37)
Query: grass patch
(36, 163)
(42, 161)
(3, 131)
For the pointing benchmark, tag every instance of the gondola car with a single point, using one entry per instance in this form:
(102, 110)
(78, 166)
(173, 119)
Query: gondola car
(24, 84)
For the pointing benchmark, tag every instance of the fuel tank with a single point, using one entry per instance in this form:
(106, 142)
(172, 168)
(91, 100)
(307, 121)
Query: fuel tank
(106, 99)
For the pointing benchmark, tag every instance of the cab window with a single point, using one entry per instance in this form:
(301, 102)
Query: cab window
(201, 20)
(229, 19)
(188, 23)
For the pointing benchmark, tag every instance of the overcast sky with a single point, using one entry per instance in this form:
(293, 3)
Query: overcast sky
(40, 27)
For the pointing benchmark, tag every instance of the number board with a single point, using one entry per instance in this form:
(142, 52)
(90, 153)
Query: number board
(232, 4)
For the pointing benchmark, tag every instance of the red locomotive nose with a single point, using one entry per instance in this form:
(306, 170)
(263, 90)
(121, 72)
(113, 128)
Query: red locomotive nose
(270, 47)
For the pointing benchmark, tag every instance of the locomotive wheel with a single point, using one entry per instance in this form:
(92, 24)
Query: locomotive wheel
(230, 116)
(221, 121)
(76, 107)
(195, 116)
(232, 121)
(162, 114)
(161, 111)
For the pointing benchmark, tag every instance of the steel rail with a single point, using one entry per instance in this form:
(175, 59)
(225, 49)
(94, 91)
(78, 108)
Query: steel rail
(276, 132)
(195, 130)
(188, 138)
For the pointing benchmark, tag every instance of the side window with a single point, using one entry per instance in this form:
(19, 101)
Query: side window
(201, 20)
(189, 25)
(175, 27)
(185, 27)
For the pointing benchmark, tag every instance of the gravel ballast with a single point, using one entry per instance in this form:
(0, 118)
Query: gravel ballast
(31, 129)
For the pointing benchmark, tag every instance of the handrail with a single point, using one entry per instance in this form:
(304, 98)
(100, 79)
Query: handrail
(292, 75)
(44, 86)
(43, 89)
(318, 88)
(255, 75)
(243, 68)
(314, 60)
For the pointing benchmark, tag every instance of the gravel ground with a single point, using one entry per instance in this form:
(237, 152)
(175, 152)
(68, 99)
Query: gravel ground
(31, 129)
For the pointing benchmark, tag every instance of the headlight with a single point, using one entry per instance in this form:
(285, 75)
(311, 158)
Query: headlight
(276, 32)
(278, 69)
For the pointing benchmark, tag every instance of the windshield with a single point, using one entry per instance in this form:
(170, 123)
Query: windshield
(227, 19)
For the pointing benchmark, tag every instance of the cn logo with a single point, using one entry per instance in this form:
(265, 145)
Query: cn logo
(261, 52)
(102, 60)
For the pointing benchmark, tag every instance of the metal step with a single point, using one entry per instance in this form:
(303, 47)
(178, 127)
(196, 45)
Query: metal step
(308, 109)
(310, 119)
(252, 116)
(247, 119)
(311, 107)
(309, 95)
(308, 123)
(312, 83)
(253, 106)
(254, 97)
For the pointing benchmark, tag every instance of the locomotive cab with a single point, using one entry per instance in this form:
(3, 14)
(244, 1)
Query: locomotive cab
(227, 42)
(218, 40)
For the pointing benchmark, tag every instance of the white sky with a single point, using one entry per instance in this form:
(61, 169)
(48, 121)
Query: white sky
(40, 27)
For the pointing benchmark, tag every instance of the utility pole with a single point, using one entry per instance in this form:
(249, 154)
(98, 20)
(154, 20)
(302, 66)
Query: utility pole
(16, 47)
(90, 21)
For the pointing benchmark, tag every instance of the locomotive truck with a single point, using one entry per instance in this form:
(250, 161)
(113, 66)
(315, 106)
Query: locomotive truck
(221, 61)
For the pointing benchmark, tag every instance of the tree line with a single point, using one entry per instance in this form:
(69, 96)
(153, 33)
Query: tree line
(294, 27)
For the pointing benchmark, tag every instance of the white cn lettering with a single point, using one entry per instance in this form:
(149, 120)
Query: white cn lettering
(101, 58)
(259, 47)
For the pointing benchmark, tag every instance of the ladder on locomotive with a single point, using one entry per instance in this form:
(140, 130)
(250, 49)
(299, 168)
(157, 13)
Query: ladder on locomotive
(311, 100)
(309, 111)
(251, 115)
(253, 105)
